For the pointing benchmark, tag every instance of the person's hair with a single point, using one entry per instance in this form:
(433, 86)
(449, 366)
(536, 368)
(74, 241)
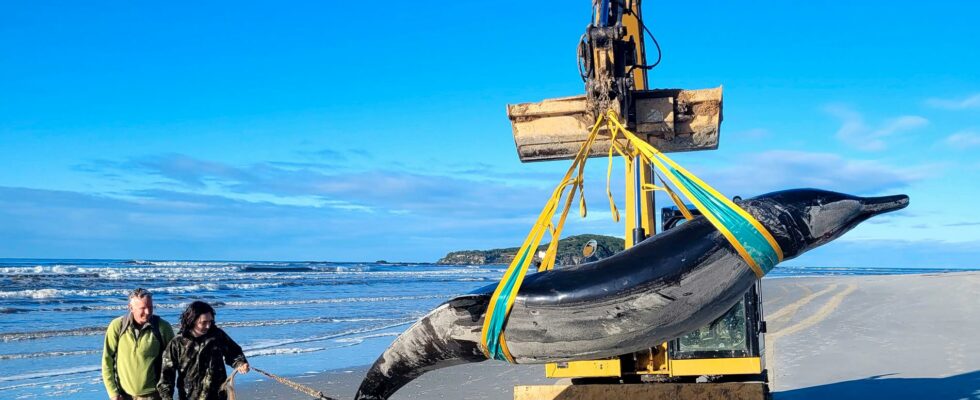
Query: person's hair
(140, 293)
(192, 312)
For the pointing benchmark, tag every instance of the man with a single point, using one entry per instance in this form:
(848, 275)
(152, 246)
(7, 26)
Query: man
(133, 350)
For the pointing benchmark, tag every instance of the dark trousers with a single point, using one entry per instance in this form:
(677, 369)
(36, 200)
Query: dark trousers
(151, 396)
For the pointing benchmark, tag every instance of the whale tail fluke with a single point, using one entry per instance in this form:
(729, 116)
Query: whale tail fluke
(445, 337)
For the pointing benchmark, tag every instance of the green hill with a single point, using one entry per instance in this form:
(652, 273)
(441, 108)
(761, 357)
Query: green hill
(569, 252)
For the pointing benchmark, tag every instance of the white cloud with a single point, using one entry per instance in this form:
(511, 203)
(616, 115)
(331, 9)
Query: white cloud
(963, 140)
(777, 170)
(902, 123)
(269, 211)
(856, 132)
(168, 224)
(956, 104)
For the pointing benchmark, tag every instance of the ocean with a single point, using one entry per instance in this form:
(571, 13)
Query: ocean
(292, 318)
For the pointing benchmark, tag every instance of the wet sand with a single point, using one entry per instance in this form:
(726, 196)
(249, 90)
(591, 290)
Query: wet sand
(856, 337)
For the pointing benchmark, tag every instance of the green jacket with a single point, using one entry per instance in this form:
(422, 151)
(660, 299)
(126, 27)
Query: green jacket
(131, 357)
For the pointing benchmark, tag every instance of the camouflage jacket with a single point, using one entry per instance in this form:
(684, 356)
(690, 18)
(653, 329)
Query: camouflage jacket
(199, 362)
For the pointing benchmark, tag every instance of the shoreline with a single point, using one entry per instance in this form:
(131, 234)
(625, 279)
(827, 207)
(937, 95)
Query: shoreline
(487, 380)
(873, 336)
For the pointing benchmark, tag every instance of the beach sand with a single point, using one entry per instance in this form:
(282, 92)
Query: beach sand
(849, 337)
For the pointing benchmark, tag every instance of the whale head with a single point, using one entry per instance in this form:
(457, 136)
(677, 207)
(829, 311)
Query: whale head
(803, 219)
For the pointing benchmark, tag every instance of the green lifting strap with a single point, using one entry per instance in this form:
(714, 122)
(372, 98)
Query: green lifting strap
(493, 341)
(753, 242)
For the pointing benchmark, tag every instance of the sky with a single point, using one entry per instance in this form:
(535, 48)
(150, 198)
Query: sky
(310, 131)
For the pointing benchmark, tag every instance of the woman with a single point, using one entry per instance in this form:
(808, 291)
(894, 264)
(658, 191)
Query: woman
(198, 355)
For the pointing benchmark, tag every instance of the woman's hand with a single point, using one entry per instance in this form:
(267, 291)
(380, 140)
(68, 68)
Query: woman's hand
(243, 369)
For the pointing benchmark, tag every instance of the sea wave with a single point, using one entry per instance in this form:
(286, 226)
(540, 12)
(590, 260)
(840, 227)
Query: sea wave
(214, 272)
(257, 303)
(269, 344)
(47, 354)
(50, 373)
(173, 263)
(266, 303)
(361, 339)
(263, 268)
(294, 321)
(86, 331)
(57, 269)
(52, 293)
(109, 308)
(100, 330)
(341, 343)
(49, 381)
(288, 350)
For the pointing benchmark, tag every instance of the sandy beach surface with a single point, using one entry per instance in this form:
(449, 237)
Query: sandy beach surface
(846, 337)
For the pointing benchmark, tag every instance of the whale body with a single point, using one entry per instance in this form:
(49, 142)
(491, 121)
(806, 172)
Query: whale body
(662, 288)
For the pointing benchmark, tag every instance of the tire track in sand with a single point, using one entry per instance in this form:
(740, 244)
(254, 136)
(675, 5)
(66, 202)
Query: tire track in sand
(821, 314)
(777, 298)
(789, 310)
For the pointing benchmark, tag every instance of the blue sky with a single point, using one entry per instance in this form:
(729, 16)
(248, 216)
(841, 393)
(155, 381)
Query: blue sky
(304, 131)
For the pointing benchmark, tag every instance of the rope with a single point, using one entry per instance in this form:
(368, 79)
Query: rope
(229, 385)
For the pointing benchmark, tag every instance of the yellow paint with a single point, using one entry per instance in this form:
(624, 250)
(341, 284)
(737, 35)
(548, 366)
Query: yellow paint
(653, 361)
(635, 34)
(650, 153)
(658, 391)
(518, 267)
(590, 368)
(647, 216)
(716, 366)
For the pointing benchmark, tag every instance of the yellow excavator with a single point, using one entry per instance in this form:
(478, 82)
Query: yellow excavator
(722, 360)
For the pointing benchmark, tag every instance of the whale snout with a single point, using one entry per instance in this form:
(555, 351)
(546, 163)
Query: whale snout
(872, 206)
(821, 216)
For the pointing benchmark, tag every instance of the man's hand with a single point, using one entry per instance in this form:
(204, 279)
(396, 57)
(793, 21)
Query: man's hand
(117, 397)
(243, 369)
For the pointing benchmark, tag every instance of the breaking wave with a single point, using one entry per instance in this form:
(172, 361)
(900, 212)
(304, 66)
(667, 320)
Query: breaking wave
(267, 303)
(51, 293)
(268, 344)
(100, 330)
(50, 373)
(17, 336)
(276, 352)
(47, 354)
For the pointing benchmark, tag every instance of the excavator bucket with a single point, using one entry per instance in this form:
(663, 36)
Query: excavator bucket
(672, 120)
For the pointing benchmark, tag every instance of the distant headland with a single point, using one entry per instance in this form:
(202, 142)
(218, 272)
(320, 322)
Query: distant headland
(569, 251)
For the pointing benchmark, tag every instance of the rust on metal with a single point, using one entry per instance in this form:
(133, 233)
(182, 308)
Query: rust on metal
(672, 120)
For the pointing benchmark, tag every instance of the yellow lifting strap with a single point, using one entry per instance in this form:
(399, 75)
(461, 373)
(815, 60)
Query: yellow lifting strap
(493, 343)
(753, 242)
(750, 239)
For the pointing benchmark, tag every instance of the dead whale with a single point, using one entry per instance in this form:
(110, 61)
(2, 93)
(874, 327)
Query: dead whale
(662, 288)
